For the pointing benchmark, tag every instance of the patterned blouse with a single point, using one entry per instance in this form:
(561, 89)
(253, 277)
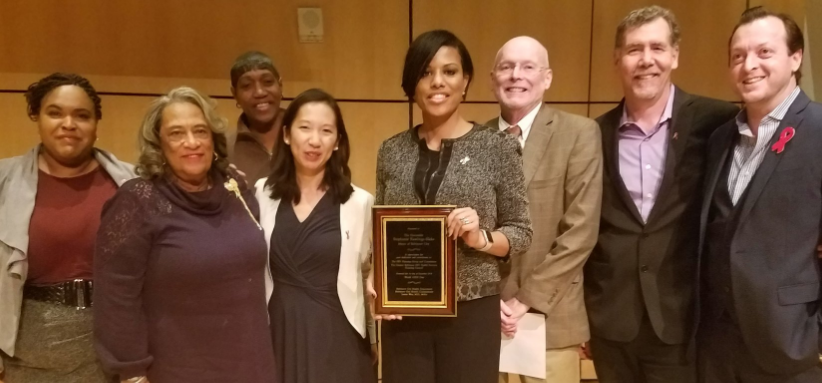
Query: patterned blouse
(482, 170)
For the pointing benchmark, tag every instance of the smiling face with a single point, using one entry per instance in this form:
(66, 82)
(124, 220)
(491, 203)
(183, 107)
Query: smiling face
(67, 125)
(646, 59)
(761, 65)
(521, 74)
(312, 137)
(187, 143)
(440, 90)
(259, 92)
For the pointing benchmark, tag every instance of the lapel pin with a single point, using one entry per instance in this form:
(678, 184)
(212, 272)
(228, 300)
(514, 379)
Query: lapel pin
(465, 160)
(232, 186)
(784, 137)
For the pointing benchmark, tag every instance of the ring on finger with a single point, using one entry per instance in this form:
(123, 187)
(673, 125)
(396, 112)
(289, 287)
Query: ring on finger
(465, 221)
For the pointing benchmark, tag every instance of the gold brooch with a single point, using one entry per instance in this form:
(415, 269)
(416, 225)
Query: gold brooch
(231, 185)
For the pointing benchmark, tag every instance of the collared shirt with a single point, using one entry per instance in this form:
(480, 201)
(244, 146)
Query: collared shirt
(642, 157)
(750, 150)
(249, 155)
(524, 124)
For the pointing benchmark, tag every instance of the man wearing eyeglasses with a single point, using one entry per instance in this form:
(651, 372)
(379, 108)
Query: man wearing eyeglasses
(562, 161)
(641, 277)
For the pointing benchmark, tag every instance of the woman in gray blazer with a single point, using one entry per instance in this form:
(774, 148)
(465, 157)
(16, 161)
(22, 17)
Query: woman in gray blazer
(50, 204)
(447, 160)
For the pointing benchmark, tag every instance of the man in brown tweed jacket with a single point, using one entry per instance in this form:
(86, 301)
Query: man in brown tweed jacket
(562, 162)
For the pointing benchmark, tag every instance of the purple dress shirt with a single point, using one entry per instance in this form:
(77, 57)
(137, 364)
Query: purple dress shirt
(642, 157)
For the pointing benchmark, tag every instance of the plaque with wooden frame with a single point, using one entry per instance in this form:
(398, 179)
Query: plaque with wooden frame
(415, 263)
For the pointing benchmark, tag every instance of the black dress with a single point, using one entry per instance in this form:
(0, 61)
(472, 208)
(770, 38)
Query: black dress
(313, 340)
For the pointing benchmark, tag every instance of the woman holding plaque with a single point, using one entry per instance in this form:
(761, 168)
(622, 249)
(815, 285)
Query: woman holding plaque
(318, 228)
(447, 160)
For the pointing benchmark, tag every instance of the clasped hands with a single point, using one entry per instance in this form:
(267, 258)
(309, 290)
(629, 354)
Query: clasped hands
(510, 312)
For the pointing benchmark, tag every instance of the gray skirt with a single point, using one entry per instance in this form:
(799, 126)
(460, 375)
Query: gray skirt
(54, 344)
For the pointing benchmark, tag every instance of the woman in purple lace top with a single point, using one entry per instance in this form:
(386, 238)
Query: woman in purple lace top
(180, 259)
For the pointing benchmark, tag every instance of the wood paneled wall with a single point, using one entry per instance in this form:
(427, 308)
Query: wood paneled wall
(133, 50)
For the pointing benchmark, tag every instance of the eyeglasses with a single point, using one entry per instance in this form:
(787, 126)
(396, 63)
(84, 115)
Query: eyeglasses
(527, 68)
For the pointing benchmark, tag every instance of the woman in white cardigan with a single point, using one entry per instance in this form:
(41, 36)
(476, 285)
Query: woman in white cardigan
(317, 225)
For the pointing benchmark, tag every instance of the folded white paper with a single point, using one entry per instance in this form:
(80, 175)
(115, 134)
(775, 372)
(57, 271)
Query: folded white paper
(524, 354)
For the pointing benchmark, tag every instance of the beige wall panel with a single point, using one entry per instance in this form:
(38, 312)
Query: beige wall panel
(481, 113)
(138, 86)
(18, 132)
(368, 125)
(813, 41)
(600, 109)
(116, 132)
(703, 63)
(563, 26)
(580, 109)
(174, 42)
(794, 8)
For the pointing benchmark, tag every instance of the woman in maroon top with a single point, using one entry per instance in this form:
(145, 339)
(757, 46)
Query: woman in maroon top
(50, 204)
(180, 260)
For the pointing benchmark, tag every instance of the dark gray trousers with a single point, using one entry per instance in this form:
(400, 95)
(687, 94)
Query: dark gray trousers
(645, 359)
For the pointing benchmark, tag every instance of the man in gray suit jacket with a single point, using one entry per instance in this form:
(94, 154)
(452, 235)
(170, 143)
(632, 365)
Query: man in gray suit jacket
(563, 174)
(762, 217)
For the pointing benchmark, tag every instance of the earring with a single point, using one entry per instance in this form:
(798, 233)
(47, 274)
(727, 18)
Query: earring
(286, 142)
(216, 157)
(336, 147)
(238, 105)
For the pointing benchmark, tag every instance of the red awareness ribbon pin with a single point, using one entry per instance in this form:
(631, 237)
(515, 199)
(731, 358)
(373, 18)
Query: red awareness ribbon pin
(786, 136)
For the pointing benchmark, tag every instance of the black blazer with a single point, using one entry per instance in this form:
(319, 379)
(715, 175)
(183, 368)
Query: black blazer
(775, 275)
(638, 267)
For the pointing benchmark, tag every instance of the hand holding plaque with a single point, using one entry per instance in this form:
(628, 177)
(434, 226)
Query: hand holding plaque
(464, 223)
(414, 261)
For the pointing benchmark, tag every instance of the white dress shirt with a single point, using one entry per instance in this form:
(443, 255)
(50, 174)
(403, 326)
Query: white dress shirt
(750, 151)
(524, 124)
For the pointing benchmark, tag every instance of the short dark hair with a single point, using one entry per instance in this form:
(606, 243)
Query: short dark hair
(337, 178)
(641, 16)
(37, 91)
(249, 61)
(794, 37)
(422, 51)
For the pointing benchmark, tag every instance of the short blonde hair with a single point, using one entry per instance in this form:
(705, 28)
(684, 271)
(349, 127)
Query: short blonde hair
(152, 163)
(642, 16)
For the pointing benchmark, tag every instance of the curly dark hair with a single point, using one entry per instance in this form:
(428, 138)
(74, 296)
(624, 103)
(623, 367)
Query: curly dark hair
(337, 178)
(40, 89)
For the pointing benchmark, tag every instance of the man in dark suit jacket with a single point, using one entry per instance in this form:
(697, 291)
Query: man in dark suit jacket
(760, 297)
(639, 280)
